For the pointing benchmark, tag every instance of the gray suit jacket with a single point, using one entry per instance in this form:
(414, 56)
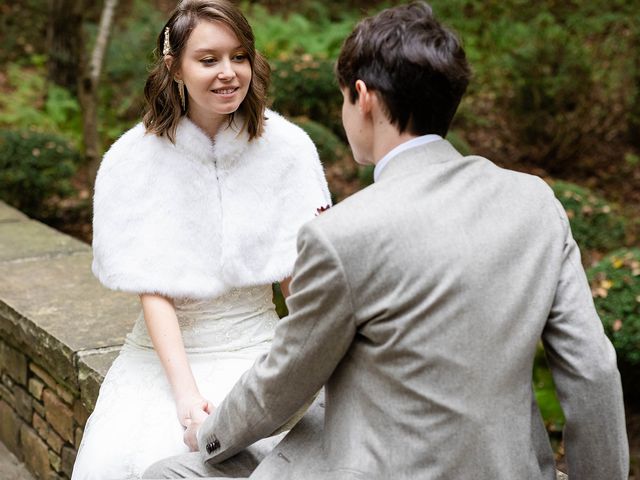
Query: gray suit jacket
(418, 303)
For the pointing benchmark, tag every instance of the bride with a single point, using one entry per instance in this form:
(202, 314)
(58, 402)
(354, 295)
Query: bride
(196, 210)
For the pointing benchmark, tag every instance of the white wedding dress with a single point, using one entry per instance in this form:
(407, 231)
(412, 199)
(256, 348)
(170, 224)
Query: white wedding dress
(134, 423)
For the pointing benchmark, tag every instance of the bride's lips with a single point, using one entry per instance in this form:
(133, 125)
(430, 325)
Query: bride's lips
(225, 92)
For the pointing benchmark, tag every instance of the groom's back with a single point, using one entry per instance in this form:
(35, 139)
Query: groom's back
(452, 264)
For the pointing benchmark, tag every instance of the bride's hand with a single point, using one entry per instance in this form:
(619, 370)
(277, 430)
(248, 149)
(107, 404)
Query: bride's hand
(193, 409)
(196, 413)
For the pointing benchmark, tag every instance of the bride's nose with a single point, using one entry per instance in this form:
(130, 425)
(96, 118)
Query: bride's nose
(226, 70)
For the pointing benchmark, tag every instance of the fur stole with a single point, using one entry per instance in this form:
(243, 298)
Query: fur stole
(198, 218)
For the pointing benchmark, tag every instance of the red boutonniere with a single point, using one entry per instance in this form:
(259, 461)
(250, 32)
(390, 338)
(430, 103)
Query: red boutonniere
(320, 210)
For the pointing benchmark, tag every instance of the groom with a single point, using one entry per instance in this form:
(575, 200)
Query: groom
(419, 302)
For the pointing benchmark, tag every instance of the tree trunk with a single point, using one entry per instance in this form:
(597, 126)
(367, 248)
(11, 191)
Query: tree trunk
(64, 39)
(88, 89)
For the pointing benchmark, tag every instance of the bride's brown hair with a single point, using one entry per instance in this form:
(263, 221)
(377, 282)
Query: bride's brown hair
(163, 106)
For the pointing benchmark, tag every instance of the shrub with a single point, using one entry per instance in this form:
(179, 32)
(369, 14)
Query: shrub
(30, 101)
(35, 168)
(615, 285)
(330, 147)
(23, 29)
(305, 86)
(595, 224)
(302, 29)
(634, 113)
(545, 393)
(550, 105)
(458, 142)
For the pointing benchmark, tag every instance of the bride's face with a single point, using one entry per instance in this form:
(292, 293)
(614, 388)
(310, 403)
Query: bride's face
(215, 69)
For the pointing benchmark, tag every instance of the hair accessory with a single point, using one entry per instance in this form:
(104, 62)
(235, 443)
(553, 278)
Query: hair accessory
(181, 93)
(166, 50)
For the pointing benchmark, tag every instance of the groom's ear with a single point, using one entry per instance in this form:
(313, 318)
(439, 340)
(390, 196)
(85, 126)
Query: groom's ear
(364, 99)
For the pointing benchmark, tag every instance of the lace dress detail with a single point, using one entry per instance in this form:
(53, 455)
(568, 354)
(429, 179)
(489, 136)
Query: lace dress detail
(134, 423)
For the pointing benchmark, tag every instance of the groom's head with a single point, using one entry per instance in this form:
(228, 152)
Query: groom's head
(416, 66)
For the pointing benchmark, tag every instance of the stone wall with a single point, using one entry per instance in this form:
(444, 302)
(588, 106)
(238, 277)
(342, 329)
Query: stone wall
(59, 332)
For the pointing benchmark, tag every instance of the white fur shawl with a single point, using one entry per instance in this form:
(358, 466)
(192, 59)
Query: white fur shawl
(197, 218)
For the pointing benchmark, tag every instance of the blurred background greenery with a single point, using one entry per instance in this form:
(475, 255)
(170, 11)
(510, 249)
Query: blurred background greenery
(556, 93)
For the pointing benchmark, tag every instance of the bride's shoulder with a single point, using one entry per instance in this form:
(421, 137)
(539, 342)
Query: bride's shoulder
(286, 139)
(135, 149)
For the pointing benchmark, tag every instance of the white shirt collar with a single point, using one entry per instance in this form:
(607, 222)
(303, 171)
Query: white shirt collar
(414, 142)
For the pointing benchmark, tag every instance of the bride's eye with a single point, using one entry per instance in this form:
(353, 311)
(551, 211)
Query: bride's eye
(208, 61)
(240, 57)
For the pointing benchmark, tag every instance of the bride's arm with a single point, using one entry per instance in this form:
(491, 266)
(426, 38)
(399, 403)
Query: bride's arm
(164, 331)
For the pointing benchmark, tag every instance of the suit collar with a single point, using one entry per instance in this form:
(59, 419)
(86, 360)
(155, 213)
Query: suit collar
(417, 158)
(409, 144)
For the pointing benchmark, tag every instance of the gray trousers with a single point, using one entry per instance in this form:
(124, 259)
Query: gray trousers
(191, 465)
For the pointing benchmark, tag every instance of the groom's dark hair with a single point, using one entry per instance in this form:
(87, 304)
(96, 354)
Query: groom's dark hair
(416, 65)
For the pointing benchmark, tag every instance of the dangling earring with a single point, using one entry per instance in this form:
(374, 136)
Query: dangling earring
(181, 93)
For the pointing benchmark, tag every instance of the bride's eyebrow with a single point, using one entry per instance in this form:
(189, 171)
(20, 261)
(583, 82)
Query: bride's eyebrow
(214, 50)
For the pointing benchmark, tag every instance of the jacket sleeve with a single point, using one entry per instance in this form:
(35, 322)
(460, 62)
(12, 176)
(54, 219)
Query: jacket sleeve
(583, 364)
(308, 344)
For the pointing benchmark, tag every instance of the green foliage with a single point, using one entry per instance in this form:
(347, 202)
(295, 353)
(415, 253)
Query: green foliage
(34, 168)
(634, 112)
(595, 224)
(304, 86)
(330, 147)
(545, 392)
(127, 64)
(23, 28)
(313, 31)
(615, 284)
(32, 103)
(551, 77)
(458, 142)
(365, 174)
(551, 99)
(279, 301)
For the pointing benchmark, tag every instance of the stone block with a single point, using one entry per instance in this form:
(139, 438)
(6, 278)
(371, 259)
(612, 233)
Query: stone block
(54, 441)
(79, 433)
(10, 425)
(43, 375)
(7, 395)
(35, 388)
(10, 214)
(13, 363)
(39, 408)
(68, 459)
(47, 434)
(55, 461)
(58, 415)
(24, 403)
(91, 372)
(31, 239)
(40, 425)
(7, 381)
(80, 413)
(57, 308)
(37, 460)
(65, 395)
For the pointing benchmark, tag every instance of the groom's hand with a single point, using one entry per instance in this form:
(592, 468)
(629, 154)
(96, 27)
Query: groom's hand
(193, 423)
